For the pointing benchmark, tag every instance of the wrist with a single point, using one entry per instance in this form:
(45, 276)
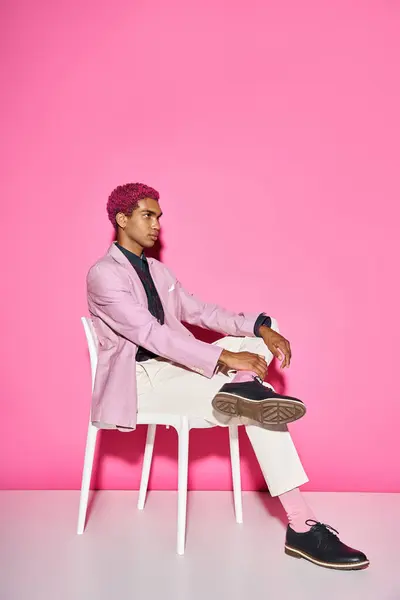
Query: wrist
(265, 331)
(261, 320)
(224, 357)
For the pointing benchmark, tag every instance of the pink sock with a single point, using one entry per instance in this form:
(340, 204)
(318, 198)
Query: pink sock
(297, 510)
(242, 376)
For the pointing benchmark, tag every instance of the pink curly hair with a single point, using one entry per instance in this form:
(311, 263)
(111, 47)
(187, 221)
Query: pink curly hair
(125, 198)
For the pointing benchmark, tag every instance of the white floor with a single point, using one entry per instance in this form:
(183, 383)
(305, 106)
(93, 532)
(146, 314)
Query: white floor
(125, 553)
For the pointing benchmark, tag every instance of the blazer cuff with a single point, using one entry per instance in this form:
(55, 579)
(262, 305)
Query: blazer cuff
(207, 364)
(262, 319)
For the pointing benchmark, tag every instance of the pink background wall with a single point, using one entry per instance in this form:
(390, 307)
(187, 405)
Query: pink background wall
(272, 131)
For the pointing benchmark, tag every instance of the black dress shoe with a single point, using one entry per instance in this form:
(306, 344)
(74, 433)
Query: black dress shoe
(321, 546)
(255, 401)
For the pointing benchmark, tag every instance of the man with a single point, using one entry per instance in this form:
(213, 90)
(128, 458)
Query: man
(149, 360)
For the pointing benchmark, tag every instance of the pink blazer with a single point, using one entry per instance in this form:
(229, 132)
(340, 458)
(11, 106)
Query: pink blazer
(118, 306)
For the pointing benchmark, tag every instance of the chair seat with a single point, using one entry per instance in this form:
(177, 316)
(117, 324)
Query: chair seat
(147, 418)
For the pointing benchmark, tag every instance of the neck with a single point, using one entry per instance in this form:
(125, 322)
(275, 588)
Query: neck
(130, 245)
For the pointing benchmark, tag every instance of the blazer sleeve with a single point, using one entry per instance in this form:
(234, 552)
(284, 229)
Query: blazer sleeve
(111, 299)
(212, 316)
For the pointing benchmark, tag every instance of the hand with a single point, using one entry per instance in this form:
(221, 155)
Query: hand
(244, 361)
(277, 344)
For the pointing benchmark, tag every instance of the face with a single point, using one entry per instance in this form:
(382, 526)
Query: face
(143, 226)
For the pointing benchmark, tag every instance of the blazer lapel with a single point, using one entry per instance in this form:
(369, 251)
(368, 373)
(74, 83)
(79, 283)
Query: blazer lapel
(160, 282)
(120, 258)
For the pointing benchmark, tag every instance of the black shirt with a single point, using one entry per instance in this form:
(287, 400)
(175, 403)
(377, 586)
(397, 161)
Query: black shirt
(141, 266)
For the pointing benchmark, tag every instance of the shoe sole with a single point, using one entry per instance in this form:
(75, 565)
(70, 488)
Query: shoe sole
(262, 412)
(338, 566)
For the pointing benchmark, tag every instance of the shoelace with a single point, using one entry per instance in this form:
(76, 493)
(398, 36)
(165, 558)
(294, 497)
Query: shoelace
(325, 533)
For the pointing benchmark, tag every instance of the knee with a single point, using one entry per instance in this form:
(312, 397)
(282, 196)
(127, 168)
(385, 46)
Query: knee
(256, 346)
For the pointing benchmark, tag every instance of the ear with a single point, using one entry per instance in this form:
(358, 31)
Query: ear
(121, 219)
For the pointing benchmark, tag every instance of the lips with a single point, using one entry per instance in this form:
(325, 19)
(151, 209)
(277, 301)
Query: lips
(154, 237)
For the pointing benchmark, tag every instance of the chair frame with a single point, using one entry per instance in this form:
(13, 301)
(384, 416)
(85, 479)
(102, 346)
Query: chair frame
(182, 425)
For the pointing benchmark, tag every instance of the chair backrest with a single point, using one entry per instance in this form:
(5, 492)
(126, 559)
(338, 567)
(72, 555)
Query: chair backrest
(93, 344)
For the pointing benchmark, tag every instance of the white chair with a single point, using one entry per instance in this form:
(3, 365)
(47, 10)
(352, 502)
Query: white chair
(182, 426)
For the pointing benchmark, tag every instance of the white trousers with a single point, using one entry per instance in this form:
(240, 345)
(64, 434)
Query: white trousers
(165, 386)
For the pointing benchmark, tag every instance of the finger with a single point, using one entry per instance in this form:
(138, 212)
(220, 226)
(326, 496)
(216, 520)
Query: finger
(285, 352)
(284, 347)
(260, 367)
(263, 367)
(257, 358)
(280, 353)
(261, 372)
(263, 361)
(276, 353)
(289, 353)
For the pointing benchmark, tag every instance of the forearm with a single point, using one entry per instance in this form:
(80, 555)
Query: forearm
(212, 316)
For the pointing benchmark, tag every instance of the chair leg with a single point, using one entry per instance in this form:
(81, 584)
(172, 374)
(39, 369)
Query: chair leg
(235, 464)
(183, 458)
(86, 476)
(147, 458)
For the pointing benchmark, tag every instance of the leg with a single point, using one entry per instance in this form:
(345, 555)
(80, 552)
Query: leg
(87, 474)
(235, 465)
(278, 458)
(183, 458)
(148, 454)
(297, 510)
(284, 473)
